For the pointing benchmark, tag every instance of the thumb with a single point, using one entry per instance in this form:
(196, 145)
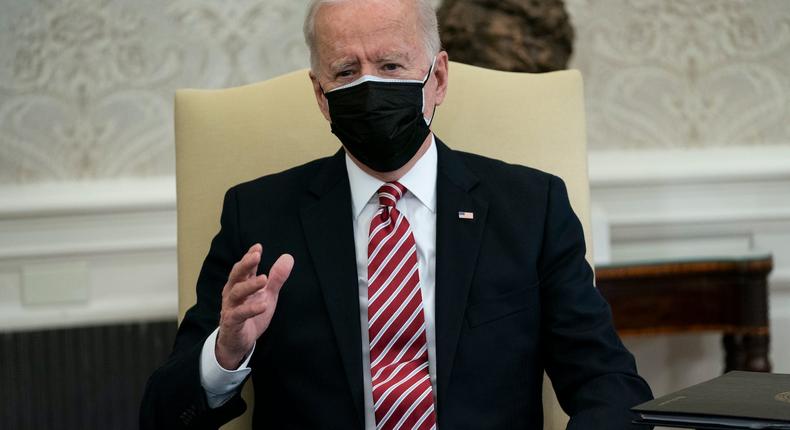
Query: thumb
(279, 273)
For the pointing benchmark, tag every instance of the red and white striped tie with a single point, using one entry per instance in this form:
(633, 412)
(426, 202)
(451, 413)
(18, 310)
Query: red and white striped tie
(402, 391)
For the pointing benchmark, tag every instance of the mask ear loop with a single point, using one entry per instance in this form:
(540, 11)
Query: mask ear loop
(428, 121)
(430, 70)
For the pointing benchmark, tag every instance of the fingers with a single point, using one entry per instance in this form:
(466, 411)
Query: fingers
(279, 273)
(240, 287)
(243, 304)
(248, 310)
(246, 267)
(240, 291)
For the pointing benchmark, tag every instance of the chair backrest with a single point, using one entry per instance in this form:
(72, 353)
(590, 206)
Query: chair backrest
(227, 136)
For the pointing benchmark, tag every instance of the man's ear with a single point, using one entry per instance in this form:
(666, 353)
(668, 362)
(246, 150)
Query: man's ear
(440, 71)
(323, 105)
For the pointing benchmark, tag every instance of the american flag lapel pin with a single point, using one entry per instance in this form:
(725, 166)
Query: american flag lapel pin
(466, 215)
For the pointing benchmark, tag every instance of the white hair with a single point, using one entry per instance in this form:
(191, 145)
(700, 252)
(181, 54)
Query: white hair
(426, 17)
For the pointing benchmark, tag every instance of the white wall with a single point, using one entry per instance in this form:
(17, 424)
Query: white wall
(688, 117)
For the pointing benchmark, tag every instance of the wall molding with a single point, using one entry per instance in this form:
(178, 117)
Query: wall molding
(122, 233)
(695, 165)
(696, 202)
(87, 197)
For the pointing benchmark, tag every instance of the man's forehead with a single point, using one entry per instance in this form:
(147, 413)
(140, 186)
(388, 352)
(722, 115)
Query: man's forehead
(342, 22)
(379, 47)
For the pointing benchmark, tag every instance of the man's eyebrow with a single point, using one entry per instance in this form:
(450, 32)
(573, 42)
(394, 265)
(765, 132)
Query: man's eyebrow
(391, 56)
(343, 63)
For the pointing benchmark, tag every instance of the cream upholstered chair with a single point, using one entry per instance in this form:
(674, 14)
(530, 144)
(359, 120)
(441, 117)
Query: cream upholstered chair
(224, 137)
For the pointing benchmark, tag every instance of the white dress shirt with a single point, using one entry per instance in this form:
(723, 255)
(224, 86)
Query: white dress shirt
(418, 205)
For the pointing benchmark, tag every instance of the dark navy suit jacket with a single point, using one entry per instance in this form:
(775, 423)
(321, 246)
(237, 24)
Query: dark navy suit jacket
(514, 297)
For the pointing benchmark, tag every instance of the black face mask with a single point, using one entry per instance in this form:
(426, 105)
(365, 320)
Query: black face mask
(380, 121)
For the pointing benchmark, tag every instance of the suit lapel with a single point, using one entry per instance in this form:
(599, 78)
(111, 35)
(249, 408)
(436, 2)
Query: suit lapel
(458, 241)
(328, 228)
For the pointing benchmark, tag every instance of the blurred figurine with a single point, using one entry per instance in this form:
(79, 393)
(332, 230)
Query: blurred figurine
(512, 35)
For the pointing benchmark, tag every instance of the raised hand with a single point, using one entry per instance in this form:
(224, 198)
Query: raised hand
(248, 303)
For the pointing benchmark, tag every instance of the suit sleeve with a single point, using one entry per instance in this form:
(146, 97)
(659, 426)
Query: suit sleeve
(593, 374)
(174, 397)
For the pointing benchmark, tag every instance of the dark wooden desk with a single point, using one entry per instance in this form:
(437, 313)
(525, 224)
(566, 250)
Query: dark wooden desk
(729, 295)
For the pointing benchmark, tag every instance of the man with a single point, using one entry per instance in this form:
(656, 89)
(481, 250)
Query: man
(410, 286)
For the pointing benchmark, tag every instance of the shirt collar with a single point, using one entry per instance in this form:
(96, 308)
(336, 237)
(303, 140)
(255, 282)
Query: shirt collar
(420, 180)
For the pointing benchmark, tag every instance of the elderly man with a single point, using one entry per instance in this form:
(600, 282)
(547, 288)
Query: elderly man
(409, 286)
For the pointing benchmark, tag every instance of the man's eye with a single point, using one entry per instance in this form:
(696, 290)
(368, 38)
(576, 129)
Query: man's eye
(345, 73)
(391, 67)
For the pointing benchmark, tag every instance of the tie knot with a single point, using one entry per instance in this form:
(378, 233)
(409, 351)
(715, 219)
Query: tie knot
(390, 193)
